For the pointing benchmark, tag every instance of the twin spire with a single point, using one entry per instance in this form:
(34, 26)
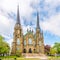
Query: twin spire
(18, 18)
(38, 27)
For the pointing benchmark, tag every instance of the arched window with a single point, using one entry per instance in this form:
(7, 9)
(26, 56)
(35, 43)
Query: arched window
(18, 41)
(40, 43)
(18, 48)
(24, 42)
(30, 41)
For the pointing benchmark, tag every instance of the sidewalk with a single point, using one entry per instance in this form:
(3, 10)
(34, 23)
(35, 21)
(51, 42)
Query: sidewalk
(42, 58)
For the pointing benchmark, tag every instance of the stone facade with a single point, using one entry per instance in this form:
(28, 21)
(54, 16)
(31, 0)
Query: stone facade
(28, 43)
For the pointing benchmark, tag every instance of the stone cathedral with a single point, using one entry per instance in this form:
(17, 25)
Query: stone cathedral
(28, 43)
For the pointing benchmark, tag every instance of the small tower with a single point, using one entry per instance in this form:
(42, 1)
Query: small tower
(17, 45)
(39, 39)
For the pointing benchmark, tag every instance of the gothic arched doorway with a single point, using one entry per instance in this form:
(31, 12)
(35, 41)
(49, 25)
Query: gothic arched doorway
(24, 51)
(30, 51)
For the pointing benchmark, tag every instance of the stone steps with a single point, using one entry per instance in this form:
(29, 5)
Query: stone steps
(32, 54)
(35, 55)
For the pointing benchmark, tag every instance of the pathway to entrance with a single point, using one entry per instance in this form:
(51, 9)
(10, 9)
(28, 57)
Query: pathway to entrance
(42, 58)
(35, 55)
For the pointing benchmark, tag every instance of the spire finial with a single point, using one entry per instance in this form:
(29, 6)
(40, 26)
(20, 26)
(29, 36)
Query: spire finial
(18, 16)
(38, 27)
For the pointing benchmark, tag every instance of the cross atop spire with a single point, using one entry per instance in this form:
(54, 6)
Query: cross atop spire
(38, 27)
(18, 16)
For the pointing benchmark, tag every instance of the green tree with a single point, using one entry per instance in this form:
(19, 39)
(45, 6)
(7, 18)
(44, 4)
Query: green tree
(57, 46)
(1, 42)
(53, 51)
(4, 46)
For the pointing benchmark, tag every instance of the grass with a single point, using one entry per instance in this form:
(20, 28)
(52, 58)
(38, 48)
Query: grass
(54, 58)
(22, 58)
(8, 57)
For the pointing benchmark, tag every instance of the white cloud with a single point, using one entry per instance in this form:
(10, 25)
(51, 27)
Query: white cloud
(10, 41)
(6, 25)
(52, 25)
(52, 3)
(8, 6)
(25, 6)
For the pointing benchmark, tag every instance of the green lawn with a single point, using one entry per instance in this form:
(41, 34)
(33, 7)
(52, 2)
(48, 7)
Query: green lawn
(54, 58)
(22, 58)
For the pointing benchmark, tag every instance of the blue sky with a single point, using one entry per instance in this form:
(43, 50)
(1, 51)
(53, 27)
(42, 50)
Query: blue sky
(49, 13)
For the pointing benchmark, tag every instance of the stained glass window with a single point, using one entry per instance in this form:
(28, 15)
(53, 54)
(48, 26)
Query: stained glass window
(24, 42)
(30, 41)
(18, 41)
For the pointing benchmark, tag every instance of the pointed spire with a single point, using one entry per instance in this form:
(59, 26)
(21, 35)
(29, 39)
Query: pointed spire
(38, 27)
(18, 16)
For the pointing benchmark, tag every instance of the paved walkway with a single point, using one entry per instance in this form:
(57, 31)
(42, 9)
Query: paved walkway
(40, 57)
